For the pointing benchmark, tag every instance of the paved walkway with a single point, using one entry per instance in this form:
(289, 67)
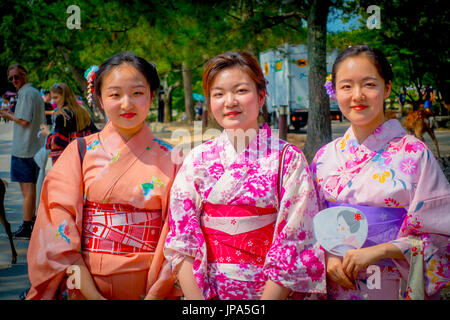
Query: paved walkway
(13, 278)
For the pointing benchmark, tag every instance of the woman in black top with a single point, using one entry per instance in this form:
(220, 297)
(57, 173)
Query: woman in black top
(71, 121)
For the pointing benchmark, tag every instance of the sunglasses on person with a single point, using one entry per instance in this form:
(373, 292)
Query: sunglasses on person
(15, 77)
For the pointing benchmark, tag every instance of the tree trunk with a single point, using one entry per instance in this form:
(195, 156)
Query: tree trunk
(319, 120)
(188, 99)
(168, 101)
(77, 73)
(167, 108)
(443, 85)
(79, 77)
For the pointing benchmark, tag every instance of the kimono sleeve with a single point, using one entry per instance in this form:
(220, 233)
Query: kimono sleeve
(55, 243)
(295, 260)
(185, 236)
(317, 185)
(427, 219)
(160, 280)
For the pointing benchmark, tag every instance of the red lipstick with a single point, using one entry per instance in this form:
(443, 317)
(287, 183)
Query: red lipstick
(359, 107)
(232, 114)
(128, 115)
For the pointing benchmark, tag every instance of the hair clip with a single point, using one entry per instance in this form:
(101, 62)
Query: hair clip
(329, 86)
(89, 75)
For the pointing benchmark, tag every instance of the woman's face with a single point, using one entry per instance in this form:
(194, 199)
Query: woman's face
(57, 99)
(235, 100)
(343, 227)
(361, 91)
(126, 99)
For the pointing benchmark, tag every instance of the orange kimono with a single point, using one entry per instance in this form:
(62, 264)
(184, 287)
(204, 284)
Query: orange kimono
(111, 210)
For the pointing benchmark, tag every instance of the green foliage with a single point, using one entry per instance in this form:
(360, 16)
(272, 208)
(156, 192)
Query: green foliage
(414, 38)
(168, 33)
(35, 33)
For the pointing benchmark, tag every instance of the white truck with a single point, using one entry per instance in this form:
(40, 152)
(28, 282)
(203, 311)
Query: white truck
(286, 70)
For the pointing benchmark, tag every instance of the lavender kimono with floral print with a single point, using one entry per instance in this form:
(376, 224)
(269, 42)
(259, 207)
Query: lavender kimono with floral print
(391, 169)
(215, 173)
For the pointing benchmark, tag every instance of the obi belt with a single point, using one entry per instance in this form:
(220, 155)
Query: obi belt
(120, 229)
(237, 234)
(383, 224)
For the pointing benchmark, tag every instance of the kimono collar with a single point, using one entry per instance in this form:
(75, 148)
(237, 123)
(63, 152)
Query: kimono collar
(379, 137)
(113, 141)
(261, 142)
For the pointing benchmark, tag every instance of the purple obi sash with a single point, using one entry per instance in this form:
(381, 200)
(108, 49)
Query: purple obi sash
(383, 224)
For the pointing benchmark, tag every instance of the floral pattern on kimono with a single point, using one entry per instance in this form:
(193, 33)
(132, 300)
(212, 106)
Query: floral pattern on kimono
(392, 169)
(214, 172)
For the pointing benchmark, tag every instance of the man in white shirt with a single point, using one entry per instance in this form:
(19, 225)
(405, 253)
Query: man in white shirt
(28, 116)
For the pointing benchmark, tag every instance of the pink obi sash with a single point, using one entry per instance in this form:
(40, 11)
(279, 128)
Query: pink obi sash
(237, 234)
(120, 228)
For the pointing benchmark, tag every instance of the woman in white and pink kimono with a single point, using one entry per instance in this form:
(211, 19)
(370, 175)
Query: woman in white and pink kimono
(239, 229)
(394, 179)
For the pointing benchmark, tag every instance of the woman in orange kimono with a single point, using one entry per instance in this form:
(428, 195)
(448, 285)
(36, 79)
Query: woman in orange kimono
(101, 222)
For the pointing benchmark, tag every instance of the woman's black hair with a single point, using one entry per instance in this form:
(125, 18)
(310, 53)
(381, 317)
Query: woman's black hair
(374, 55)
(348, 217)
(148, 69)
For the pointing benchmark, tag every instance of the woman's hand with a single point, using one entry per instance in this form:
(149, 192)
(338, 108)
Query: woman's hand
(335, 271)
(187, 280)
(274, 291)
(87, 285)
(359, 259)
(163, 285)
(44, 130)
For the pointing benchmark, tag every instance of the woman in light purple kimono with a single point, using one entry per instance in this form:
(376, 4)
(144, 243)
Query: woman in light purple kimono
(238, 228)
(394, 179)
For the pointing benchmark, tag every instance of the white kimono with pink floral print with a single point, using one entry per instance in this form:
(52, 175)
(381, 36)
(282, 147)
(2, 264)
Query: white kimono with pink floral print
(391, 169)
(214, 174)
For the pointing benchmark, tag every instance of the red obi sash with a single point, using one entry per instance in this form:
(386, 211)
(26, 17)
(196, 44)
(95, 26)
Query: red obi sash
(238, 234)
(119, 228)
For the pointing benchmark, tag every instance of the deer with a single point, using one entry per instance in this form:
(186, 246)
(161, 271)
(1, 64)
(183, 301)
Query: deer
(5, 222)
(418, 122)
